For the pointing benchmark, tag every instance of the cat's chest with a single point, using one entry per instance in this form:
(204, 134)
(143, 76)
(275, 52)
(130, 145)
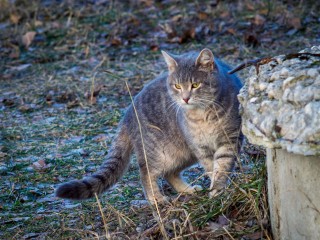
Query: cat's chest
(201, 130)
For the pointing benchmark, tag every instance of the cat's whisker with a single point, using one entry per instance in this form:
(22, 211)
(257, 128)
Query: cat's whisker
(213, 102)
(179, 106)
(172, 105)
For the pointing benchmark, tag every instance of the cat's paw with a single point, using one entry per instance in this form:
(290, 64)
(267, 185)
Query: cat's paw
(215, 192)
(159, 200)
(192, 189)
(197, 188)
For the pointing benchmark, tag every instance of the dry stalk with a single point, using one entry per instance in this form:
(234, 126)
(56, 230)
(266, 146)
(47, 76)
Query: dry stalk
(96, 235)
(103, 218)
(162, 229)
(92, 87)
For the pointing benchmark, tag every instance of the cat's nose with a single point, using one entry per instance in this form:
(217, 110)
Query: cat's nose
(186, 100)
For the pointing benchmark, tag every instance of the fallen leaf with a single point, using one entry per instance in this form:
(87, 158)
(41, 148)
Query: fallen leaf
(93, 94)
(139, 203)
(15, 18)
(259, 20)
(40, 165)
(70, 205)
(116, 41)
(28, 38)
(38, 23)
(154, 48)
(177, 18)
(8, 102)
(168, 29)
(14, 54)
(251, 39)
(100, 138)
(222, 220)
(254, 236)
(202, 15)
(295, 22)
(215, 226)
(66, 96)
(27, 107)
(31, 235)
(20, 67)
(232, 31)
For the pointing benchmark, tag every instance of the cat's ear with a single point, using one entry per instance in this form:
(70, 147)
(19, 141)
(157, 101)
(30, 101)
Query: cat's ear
(205, 60)
(172, 64)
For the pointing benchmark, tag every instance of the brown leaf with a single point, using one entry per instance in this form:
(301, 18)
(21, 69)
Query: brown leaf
(225, 14)
(202, 15)
(38, 23)
(254, 236)
(27, 107)
(28, 38)
(222, 220)
(295, 22)
(15, 18)
(8, 102)
(177, 18)
(249, 5)
(92, 95)
(251, 39)
(40, 165)
(231, 31)
(116, 41)
(100, 138)
(168, 29)
(154, 48)
(14, 54)
(148, 3)
(259, 20)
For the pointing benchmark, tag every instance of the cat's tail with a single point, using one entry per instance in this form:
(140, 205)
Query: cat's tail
(110, 172)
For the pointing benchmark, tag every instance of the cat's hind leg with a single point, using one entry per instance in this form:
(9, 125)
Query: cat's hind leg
(178, 183)
(152, 192)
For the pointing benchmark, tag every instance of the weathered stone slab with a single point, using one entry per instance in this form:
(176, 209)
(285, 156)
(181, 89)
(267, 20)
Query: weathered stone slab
(281, 105)
(280, 110)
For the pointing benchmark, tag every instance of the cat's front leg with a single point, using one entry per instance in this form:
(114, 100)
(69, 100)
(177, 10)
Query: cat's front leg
(223, 164)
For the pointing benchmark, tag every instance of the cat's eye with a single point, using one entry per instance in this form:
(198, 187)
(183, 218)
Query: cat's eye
(195, 85)
(177, 86)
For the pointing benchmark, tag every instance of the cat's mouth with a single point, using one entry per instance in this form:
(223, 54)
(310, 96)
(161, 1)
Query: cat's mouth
(188, 105)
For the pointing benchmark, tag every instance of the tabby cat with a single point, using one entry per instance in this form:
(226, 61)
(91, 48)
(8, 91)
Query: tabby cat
(186, 116)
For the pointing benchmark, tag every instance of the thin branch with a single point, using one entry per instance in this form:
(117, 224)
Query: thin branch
(256, 62)
(261, 61)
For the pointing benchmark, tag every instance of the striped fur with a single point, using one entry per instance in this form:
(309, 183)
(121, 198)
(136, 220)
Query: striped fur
(109, 173)
(176, 133)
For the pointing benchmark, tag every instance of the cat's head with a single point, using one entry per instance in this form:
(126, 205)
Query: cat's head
(191, 80)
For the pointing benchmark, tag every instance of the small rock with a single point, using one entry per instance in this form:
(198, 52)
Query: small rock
(253, 100)
(287, 82)
(69, 206)
(313, 72)
(139, 203)
(274, 76)
(284, 72)
(262, 86)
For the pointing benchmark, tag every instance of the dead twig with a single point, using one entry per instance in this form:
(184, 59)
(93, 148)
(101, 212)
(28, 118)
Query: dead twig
(257, 63)
(261, 61)
(302, 56)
